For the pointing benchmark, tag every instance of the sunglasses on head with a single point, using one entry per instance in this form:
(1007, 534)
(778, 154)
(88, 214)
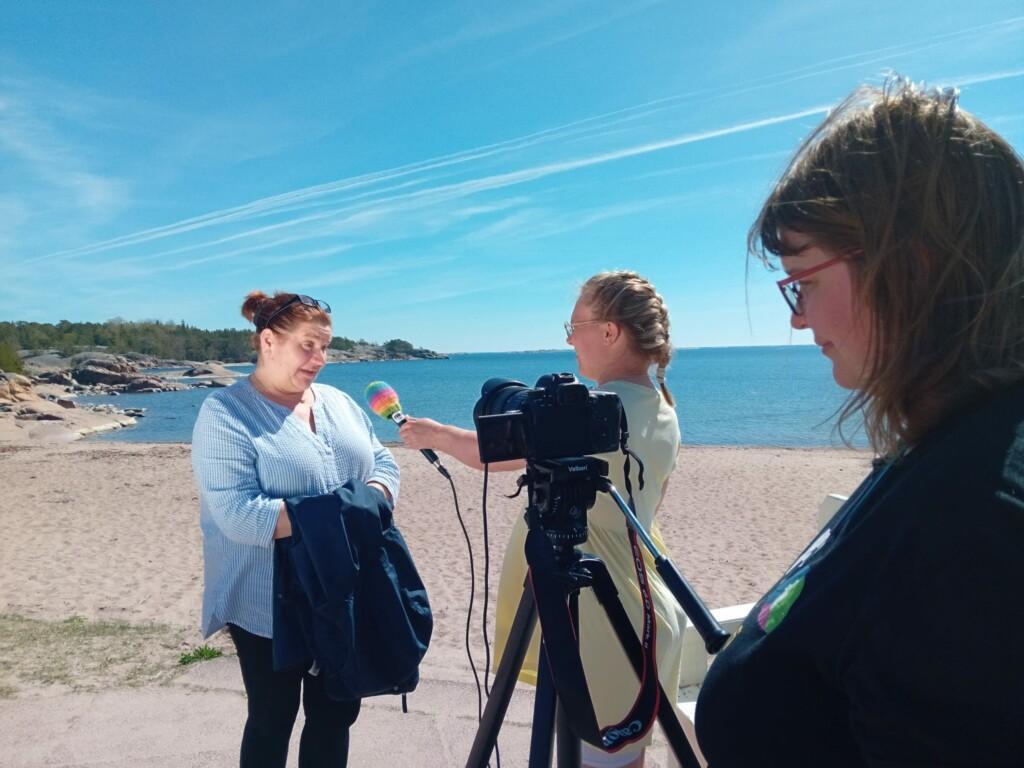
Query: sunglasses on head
(299, 298)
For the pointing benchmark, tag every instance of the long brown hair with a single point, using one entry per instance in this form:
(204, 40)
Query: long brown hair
(932, 201)
(631, 301)
(258, 307)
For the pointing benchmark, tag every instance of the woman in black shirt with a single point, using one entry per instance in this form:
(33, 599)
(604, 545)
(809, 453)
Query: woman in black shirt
(897, 637)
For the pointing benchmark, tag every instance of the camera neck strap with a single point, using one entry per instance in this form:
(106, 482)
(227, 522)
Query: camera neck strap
(628, 453)
(561, 644)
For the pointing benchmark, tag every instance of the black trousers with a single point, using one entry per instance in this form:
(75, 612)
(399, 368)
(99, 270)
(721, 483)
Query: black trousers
(274, 703)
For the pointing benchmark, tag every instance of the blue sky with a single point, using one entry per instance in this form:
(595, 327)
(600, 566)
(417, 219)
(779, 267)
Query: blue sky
(444, 172)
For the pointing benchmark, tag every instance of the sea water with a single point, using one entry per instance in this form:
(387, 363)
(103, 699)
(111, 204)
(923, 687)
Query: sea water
(767, 396)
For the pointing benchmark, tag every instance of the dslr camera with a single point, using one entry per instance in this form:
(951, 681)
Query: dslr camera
(558, 418)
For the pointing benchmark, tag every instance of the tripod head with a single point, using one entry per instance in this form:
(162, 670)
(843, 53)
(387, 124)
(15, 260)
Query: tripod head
(560, 492)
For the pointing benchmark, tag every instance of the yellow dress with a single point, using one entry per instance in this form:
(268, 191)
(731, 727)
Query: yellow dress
(654, 436)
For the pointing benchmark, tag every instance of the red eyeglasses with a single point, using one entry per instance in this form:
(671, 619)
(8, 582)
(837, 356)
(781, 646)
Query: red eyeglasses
(790, 286)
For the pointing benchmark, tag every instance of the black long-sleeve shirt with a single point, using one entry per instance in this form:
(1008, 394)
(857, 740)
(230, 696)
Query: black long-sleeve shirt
(897, 637)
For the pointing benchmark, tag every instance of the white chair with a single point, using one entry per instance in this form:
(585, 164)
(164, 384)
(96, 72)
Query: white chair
(828, 507)
(696, 658)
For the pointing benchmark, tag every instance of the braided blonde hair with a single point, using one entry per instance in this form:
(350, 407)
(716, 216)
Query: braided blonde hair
(631, 301)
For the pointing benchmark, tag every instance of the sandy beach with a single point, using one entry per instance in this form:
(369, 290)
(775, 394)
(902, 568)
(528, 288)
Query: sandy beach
(110, 530)
(108, 533)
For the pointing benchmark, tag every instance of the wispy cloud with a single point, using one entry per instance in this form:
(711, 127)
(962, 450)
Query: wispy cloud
(421, 175)
(387, 207)
(540, 223)
(374, 271)
(436, 290)
(692, 167)
(472, 25)
(593, 23)
(861, 59)
(381, 185)
(986, 77)
(54, 151)
(1004, 122)
(465, 194)
(13, 215)
(40, 154)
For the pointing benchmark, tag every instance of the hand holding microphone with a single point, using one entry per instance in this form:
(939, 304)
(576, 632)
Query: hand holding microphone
(383, 401)
(419, 433)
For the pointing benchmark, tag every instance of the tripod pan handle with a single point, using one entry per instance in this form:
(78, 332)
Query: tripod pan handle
(711, 631)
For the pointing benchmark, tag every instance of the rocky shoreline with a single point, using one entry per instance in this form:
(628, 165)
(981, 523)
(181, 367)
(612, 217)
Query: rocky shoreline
(369, 353)
(43, 412)
(41, 405)
(100, 373)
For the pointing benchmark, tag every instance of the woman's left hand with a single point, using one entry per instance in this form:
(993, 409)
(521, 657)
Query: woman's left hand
(383, 489)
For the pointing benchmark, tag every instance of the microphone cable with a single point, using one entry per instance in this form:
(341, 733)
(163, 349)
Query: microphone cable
(487, 587)
(472, 600)
(487, 592)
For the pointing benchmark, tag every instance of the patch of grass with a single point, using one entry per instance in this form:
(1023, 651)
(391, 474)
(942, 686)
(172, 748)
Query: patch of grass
(202, 653)
(81, 655)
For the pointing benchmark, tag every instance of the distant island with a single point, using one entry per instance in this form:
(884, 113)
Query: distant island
(166, 344)
(43, 366)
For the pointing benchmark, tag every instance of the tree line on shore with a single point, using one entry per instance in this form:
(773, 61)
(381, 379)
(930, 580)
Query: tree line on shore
(165, 340)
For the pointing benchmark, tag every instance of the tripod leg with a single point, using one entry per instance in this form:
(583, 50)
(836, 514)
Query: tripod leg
(569, 755)
(607, 595)
(544, 708)
(504, 682)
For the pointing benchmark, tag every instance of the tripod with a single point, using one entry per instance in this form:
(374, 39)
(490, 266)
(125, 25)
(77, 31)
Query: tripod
(564, 572)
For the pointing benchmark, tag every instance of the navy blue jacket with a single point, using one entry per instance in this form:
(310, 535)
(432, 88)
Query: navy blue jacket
(347, 595)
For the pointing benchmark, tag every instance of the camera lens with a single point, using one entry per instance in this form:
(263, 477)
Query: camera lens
(499, 396)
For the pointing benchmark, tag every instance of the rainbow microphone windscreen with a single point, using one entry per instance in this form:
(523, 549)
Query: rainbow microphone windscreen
(383, 401)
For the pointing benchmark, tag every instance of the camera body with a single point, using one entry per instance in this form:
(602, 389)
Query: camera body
(558, 418)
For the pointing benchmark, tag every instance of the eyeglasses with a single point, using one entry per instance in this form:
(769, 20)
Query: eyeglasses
(790, 286)
(298, 298)
(570, 326)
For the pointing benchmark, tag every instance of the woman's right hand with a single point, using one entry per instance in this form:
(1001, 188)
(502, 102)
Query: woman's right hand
(454, 441)
(420, 433)
(283, 529)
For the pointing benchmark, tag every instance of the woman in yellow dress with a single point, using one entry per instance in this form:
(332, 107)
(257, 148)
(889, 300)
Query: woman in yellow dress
(620, 330)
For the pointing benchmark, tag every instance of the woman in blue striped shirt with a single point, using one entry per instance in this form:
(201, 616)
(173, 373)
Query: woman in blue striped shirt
(271, 436)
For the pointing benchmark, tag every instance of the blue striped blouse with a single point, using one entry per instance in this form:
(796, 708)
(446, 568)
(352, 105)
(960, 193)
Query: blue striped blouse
(249, 453)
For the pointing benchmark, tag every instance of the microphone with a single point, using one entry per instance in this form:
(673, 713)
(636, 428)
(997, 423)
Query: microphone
(383, 401)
